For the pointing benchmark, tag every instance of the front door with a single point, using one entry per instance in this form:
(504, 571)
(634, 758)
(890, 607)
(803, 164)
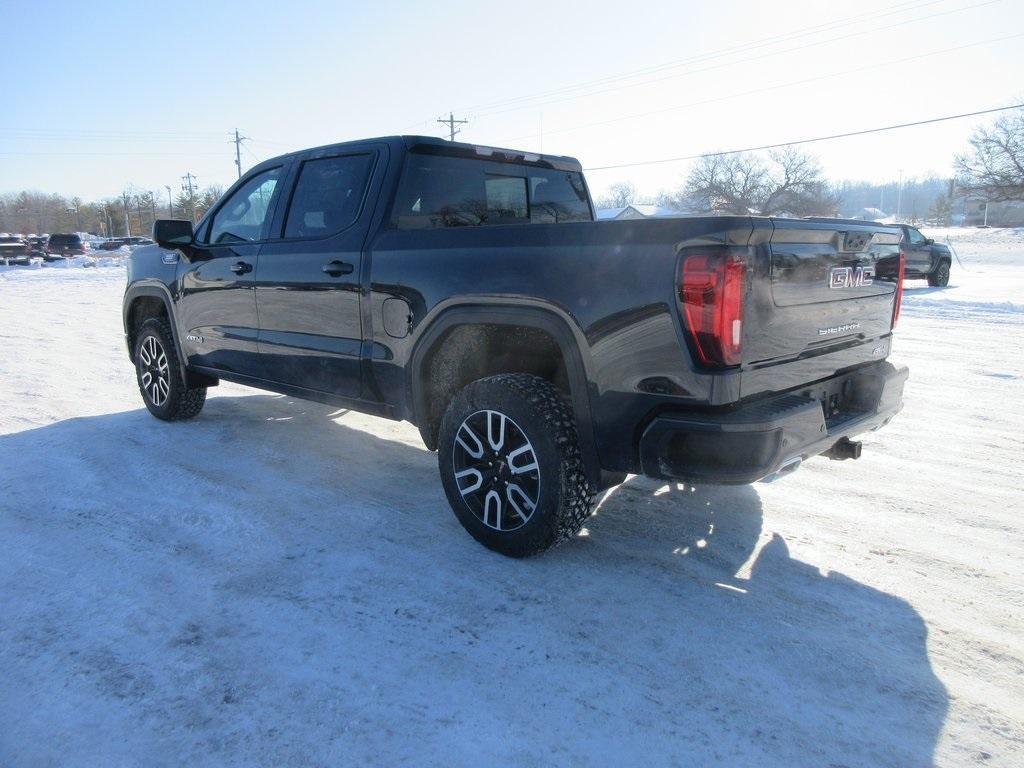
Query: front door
(216, 312)
(308, 285)
(919, 253)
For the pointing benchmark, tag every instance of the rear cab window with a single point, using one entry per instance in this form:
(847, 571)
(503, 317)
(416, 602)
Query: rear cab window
(437, 191)
(63, 241)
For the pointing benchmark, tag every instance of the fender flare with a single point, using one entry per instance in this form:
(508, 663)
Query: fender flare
(504, 311)
(160, 291)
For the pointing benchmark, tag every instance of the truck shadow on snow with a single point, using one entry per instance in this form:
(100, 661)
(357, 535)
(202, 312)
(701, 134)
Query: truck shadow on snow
(268, 585)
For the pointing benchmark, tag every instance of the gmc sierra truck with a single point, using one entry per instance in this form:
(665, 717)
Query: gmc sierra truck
(544, 355)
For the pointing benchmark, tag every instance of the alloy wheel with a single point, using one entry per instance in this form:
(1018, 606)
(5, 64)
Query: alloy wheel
(496, 470)
(154, 372)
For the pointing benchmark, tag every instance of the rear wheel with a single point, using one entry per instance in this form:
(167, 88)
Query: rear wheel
(939, 278)
(511, 464)
(159, 374)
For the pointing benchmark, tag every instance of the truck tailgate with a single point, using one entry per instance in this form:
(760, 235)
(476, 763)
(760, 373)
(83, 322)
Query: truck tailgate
(821, 292)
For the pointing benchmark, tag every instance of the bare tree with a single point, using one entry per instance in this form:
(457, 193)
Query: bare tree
(994, 166)
(788, 181)
(620, 194)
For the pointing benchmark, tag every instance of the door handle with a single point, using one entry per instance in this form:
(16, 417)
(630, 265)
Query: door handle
(241, 268)
(338, 268)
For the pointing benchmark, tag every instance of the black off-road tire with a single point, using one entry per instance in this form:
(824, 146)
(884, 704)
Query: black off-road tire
(939, 277)
(564, 497)
(177, 401)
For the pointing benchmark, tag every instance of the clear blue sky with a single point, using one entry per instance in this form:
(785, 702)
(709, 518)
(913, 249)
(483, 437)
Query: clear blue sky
(136, 95)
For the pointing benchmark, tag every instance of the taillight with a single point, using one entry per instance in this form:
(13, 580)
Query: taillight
(711, 294)
(899, 290)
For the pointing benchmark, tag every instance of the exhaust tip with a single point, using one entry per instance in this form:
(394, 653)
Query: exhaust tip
(789, 466)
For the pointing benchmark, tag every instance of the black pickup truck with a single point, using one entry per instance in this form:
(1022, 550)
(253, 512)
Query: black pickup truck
(543, 354)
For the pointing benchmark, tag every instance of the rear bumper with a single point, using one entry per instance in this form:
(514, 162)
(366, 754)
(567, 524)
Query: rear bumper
(752, 442)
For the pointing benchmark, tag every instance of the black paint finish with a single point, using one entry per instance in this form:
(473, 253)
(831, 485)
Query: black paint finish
(348, 318)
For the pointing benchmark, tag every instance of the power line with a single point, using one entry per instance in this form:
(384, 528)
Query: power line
(715, 54)
(518, 102)
(747, 60)
(781, 144)
(765, 89)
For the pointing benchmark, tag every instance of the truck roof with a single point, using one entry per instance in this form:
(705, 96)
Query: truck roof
(437, 146)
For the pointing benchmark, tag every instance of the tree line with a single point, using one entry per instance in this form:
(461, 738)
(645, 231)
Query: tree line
(132, 213)
(784, 182)
(791, 182)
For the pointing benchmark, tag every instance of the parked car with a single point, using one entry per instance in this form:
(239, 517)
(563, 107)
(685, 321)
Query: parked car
(38, 244)
(114, 243)
(67, 245)
(543, 354)
(14, 249)
(925, 258)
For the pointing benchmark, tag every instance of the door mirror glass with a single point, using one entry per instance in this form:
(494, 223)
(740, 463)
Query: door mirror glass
(172, 233)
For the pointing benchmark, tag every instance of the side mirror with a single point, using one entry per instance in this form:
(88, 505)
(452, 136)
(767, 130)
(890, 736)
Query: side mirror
(929, 241)
(172, 233)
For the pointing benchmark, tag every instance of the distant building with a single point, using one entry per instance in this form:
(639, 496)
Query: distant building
(640, 211)
(870, 214)
(970, 212)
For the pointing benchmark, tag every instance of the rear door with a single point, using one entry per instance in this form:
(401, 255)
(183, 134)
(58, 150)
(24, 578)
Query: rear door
(308, 290)
(216, 312)
(820, 290)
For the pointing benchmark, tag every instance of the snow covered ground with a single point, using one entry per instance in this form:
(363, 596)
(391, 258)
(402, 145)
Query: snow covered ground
(279, 583)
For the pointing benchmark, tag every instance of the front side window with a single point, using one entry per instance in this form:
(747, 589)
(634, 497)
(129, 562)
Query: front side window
(916, 238)
(328, 195)
(243, 217)
(438, 191)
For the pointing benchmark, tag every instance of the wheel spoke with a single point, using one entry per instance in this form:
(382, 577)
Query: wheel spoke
(496, 429)
(476, 450)
(147, 379)
(512, 493)
(492, 498)
(477, 482)
(530, 460)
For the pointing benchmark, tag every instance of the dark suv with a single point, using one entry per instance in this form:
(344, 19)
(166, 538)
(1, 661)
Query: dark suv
(925, 258)
(67, 245)
(543, 354)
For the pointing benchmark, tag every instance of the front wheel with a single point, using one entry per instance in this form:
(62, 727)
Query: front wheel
(159, 375)
(939, 278)
(511, 464)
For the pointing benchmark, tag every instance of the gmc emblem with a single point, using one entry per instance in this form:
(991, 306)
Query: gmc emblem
(850, 277)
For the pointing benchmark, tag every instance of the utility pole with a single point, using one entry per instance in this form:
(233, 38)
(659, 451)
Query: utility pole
(188, 178)
(126, 198)
(899, 197)
(451, 122)
(238, 151)
(170, 204)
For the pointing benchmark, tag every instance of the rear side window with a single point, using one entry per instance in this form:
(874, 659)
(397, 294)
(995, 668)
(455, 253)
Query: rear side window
(243, 216)
(557, 196)
(64, 241)
(438, 191)
(328, 195)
